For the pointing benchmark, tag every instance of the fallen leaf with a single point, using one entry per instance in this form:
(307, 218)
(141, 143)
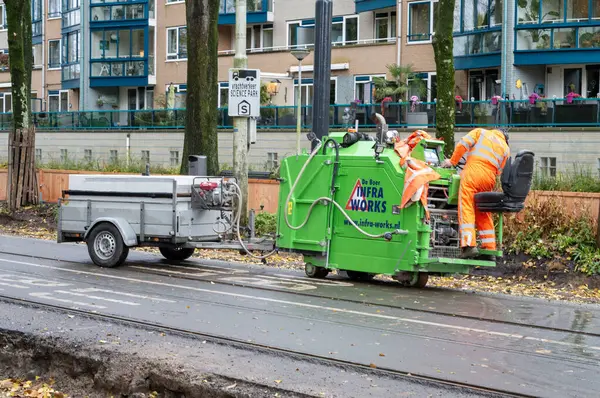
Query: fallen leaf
(542, 351)
(381, 355)
(373, 366)
(278, 381)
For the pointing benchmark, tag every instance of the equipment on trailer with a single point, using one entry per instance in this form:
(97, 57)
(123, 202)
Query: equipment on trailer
(365, 205)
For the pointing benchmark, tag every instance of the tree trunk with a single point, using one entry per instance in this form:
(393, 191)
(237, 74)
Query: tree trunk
(202, 83)
(443, 46)
(22, 179)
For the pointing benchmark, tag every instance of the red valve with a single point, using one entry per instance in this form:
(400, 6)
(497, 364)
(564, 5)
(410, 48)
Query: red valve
(208, 186)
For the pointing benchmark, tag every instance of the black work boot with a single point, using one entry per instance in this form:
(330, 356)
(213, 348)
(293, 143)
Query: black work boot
(487, 257)
(469, 252)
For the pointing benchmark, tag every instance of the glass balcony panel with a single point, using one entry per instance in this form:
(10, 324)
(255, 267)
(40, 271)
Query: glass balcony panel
(461, 46)
(492, 42)
(496, 10)
(528, 12)
(468, 14)
(578, 10)
(589, 37)
(117, 13)
(596, 10)
(137, 43)
(135, 68)
(124, 44)
(483, 17)
(533, 39)
(552, 10)
(565, 38)
(97, 44)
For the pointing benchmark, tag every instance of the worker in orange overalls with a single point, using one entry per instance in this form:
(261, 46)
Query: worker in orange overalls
(486, 154)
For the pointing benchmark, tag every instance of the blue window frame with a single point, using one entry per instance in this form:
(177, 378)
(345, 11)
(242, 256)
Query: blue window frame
(36, 18)
(121, 10)
(344, 31)
(119, 52)
(54, 9)
(421, 16)
(71, 15)
(70, 55)
(471, 15)
(534, 12)
(54, 54)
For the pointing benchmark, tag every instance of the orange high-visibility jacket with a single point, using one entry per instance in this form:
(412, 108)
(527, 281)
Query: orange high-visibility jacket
(483, 147)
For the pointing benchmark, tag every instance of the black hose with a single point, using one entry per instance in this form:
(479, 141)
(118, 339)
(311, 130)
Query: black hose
(336, 164)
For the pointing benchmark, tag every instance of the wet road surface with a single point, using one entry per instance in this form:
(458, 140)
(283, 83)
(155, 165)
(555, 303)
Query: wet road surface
(524, 346)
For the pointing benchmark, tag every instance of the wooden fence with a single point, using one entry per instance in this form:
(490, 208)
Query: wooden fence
(265, 193)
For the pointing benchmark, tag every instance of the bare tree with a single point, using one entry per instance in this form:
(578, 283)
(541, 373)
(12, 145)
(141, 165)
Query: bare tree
(202, 83)
(443, 46)
(22, 179)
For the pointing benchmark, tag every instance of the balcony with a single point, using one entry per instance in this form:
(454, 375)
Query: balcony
(557, 32)
(258, 11)
(120, 57)
(118, 14)
(371, 5)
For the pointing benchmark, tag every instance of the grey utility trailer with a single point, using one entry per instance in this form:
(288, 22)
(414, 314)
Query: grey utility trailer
(177, 214)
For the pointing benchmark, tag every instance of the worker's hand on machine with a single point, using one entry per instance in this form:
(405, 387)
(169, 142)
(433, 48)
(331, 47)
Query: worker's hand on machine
(447, 164)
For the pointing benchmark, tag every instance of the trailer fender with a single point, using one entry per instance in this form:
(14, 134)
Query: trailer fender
(127, 233)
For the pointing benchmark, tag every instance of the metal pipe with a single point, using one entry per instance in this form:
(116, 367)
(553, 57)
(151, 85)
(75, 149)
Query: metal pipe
(299, 108)
(398, 35)
(322, 68)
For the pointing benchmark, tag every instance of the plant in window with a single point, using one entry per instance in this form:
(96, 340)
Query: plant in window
(532, 15)
(4, 66)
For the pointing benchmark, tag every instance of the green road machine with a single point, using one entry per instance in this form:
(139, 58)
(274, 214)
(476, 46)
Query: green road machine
(340, 206)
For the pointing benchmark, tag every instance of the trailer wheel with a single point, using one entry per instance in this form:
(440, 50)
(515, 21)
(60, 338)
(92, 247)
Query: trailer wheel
(106, 247)
(176, 253)
(360, 276)
(312, 271)
(418, 280)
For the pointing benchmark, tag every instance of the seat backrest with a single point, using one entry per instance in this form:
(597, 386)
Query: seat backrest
(517, 175)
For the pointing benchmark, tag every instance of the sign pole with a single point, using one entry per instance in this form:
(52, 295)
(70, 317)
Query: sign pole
(240, 124)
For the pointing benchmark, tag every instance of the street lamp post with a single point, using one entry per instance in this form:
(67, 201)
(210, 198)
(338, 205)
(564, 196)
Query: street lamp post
(300, 54)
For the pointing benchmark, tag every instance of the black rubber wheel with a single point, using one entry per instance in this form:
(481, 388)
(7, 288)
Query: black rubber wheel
(360, 276)
(418, 280)
(312, 271)
(176, 253)
(106, 247)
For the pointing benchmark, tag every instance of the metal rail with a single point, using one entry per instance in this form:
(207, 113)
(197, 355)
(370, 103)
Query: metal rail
(407, 376)
(343, 300)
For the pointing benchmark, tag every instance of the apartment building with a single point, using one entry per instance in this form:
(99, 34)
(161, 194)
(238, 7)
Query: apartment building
(124, 54)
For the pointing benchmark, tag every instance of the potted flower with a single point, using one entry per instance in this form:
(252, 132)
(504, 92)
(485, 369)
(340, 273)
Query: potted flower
(385, 104)
(100, 102)
(496, 99)
(414, 118)
(458, 99)
(571, 96)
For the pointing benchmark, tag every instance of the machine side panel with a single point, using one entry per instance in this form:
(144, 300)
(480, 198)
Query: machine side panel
(313, 184)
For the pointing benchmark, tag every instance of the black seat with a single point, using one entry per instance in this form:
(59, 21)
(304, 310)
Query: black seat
(516, 179)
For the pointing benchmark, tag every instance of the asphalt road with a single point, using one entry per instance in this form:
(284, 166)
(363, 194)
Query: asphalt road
(523, 346)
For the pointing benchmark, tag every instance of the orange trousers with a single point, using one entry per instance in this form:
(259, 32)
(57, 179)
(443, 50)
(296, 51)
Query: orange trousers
(475, 178)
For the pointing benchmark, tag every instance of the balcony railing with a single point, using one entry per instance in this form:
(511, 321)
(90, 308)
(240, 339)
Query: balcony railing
(548, 113)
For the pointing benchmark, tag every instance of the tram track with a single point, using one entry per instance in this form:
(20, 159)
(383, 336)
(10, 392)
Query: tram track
(184, 276)
(268, 349)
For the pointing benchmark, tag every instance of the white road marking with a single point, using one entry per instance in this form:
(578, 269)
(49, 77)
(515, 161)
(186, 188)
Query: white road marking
(208, 273)
(95, 290)
(312, 306)
(13, 285)
(323, 282)
(31, 281)
(48, 296)
(296, 286)
(225, 269)
(96, 297)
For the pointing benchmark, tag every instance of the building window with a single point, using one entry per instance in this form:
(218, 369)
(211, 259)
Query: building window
(177, 43)
(385, 26)
(363, 88)
(174, 159)
(223, 95)
(71, 15)
(308, 90)
(146, 156)
(548, 167)
(344, 31)
(113, 47)
(38, 155)
(5, 102)
(113, 156)
(54, 9)
(421, 16)
(424, 86)
(64, 155)
(58, 101)
(87, 155)
(3, 17)
(180, 96)
(272, 160)
(175, 1)
(259, 37)
(103, 12)
(54, 54)
(70, 55)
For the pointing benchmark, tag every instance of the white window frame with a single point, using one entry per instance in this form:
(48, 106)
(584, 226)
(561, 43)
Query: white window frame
(428, 85)
(174, 161)
(262, 37)
(222, 86)
(170, 3)
(59, 53)
(3, 24)
(38, 155)
(344, 41)
(305, 86)
(431, 27)
(64, 155)
(113, 159)
(87, 158)
(59, 95)
(391, 19)
(371, 77)
(4, 96)
(177, 29)
(546, 166)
